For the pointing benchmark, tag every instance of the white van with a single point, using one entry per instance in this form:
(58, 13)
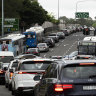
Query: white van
(6, 57)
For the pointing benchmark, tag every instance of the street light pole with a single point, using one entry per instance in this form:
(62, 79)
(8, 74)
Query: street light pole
(58, 9)
(2, 18)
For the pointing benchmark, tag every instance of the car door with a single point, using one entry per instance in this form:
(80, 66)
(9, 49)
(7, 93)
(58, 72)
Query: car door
(47, 80)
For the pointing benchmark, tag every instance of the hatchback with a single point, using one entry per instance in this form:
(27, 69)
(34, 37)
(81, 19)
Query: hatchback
(73, 78)
(34, 51)
(43, 47)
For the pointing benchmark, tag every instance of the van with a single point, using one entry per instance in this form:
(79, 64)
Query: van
(6, 57)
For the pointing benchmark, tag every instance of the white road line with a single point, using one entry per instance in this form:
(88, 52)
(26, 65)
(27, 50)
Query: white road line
(66, 44)
(45, 55)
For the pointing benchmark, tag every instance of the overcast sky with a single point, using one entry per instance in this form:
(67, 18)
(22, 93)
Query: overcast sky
(68, 7)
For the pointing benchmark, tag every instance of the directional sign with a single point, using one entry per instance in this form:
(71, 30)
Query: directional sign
(82, 14)
(10, 24)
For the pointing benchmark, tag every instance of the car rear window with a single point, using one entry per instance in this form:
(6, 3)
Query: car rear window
(37, 65)
(78, 72)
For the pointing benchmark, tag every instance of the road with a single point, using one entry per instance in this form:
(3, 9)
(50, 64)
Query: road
(63, 47)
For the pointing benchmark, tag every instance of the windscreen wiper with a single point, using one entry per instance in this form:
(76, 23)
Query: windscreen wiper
(92, 76)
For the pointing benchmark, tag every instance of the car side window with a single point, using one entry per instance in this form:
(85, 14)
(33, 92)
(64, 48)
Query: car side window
(51, 72)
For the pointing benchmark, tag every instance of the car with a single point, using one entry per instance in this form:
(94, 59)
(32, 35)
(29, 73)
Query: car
(26, 56)
(66, 32)
(72, 55)
(34, 51)
(43, 47)
(8, 75)
(61, 35)
(49, 41)
(2, 73)
(71, 78)
(56, 57)
(25, 77)
(54, 37)
(85, 57)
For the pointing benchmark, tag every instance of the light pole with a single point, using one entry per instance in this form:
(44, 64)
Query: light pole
(58, 9)
(2, 18)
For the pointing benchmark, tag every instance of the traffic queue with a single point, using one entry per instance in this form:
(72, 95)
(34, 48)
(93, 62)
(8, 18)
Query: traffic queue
(69, 75)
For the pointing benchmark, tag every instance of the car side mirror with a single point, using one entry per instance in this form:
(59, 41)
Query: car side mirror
(37, 78)
(5, 68)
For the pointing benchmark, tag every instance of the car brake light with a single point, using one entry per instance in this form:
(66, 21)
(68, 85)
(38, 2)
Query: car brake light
(87, 63)
(62, 87)
(11, 74)
(27, 52)
(1, 71)
(30, 72)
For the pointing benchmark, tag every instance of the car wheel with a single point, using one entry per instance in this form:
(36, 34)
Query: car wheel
(9, 87)
(6, 85)
(17, 93)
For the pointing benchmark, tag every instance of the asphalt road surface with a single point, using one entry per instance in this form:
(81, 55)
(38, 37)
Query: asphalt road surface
(63, 47)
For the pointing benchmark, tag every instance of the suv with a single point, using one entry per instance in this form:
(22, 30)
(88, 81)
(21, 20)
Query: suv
(71, 78)
(24, 78)
(50, 42)
(8, 74)
(54, 37)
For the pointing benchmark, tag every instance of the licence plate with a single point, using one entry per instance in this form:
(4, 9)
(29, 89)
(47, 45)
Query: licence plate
(89, 87)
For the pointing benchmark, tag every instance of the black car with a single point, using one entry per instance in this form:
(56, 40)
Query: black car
(2, 73)
(61, 35)
(50, 42)
(72, 78)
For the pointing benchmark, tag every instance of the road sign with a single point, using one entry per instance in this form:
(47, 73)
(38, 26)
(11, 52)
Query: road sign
(82, 14)
(10, 24)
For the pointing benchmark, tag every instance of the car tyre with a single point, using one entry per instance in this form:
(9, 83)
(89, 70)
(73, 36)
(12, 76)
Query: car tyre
(9, 87)
(6, 85)
(17, 93)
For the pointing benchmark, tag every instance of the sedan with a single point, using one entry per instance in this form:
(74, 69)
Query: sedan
(43, 47)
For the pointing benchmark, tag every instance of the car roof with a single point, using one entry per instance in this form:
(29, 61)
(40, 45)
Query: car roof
(6, 53)
(36, 59)
(79, 61)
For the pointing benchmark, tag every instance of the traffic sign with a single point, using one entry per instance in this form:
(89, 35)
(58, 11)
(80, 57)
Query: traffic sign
(10, 24)
(82, 14)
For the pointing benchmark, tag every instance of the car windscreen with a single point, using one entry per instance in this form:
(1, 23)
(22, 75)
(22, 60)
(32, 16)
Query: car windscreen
(40, 45)
(87, 50)
(32, 50)
(34, 65)
(6, 59)
(78, 72)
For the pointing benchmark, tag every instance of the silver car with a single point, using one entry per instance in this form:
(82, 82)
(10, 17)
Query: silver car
(43, 47)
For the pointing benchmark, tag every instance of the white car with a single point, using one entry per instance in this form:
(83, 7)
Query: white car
(8, 75)
(43, 47)
(26, 76)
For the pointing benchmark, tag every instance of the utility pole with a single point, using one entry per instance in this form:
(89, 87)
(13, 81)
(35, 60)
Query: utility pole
(2, 18)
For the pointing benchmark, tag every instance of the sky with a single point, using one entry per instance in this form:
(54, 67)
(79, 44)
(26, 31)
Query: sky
(68, 7)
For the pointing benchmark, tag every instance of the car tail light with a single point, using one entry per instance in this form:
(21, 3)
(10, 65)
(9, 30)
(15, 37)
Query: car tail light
(31, 72)
(11, 74)
(27, 52)
(87, 63)
(62, 87)
(35, 52)
(1, 71)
